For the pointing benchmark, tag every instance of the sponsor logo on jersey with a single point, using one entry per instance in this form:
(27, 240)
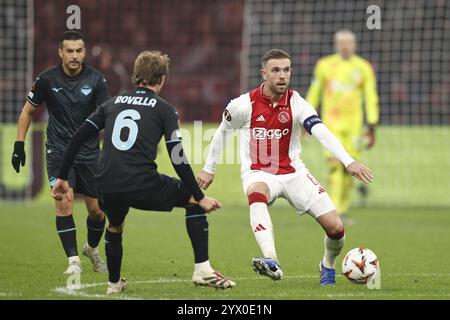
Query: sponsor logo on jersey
(56, 89)
(263, 133)
(86, 90)
(283, 117)
(30, 95)
(136, 101)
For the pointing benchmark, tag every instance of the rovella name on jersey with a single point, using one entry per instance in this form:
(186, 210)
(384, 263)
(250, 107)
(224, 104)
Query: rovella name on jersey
(136, 101)
(263, 133)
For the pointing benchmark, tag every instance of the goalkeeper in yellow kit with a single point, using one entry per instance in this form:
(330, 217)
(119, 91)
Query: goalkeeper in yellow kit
(342, 84)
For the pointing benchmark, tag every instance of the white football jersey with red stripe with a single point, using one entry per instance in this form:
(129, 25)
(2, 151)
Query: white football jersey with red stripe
(269, 135)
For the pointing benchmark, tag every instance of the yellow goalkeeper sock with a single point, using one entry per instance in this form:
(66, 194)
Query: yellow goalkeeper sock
(346, 195)
(335, 183)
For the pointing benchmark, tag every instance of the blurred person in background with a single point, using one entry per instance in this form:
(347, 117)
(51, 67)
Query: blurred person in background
(343, 82)
(111, 66)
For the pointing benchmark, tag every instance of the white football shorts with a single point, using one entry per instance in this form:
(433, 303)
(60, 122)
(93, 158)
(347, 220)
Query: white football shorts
(300, 189)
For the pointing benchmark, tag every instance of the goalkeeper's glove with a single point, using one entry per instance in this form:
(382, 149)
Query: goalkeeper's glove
(18, 157)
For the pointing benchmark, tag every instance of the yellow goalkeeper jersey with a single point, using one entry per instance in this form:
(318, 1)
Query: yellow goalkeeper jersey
(342, 86)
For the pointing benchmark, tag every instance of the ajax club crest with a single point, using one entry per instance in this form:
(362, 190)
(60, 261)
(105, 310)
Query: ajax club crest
(283, 117)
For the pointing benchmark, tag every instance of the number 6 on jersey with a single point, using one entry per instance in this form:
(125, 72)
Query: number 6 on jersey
(123, 120)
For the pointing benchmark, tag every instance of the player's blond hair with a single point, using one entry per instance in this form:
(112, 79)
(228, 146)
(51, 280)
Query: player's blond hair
(150, 67)
(344, 32)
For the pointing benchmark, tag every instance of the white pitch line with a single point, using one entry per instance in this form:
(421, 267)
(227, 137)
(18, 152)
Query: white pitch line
(76, 293)
(10, 294)
(167, 280)
(420, 275)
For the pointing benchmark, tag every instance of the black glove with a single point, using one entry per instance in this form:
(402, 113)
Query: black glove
(18, 156)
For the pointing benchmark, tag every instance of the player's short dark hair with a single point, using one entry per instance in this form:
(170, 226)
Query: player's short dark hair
(70, 35)
(150, 67)
(274, 54)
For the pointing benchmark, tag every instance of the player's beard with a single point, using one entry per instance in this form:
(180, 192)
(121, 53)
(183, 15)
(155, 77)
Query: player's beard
(74, 66)
(279, 89)
(73, 69)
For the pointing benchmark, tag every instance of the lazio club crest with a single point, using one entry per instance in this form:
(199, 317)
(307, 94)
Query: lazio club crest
(86, 90)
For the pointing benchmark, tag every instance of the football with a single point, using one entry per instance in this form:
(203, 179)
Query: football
(359, 265)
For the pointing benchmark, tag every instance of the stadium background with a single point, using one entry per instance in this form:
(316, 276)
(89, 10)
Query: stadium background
(215, 47)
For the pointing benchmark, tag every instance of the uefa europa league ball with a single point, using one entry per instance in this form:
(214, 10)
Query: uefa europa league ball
(359, 265)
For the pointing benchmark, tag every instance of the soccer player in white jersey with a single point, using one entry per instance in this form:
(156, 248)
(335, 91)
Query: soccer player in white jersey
(269, 120)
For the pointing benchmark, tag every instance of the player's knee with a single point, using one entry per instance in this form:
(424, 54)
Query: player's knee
(258, 187)
(96, 214)
(115, 229)
(64, 208)
(336, 231)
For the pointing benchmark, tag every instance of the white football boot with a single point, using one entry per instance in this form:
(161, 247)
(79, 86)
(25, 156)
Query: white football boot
(117, 287)
(212, 279)
(97, 262)
(74, 266)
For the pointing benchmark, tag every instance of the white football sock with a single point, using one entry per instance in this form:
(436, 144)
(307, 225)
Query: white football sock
(262, 229)
(203, 267)
(332, 250)
(75, 259)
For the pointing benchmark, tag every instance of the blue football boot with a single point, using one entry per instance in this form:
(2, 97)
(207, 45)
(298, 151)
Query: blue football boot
(327, 275)
(267, 267)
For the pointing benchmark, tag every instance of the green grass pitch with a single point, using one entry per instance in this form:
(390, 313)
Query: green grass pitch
(411, 244)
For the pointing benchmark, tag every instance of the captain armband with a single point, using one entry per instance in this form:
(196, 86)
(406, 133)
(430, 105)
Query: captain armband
(311, 122)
